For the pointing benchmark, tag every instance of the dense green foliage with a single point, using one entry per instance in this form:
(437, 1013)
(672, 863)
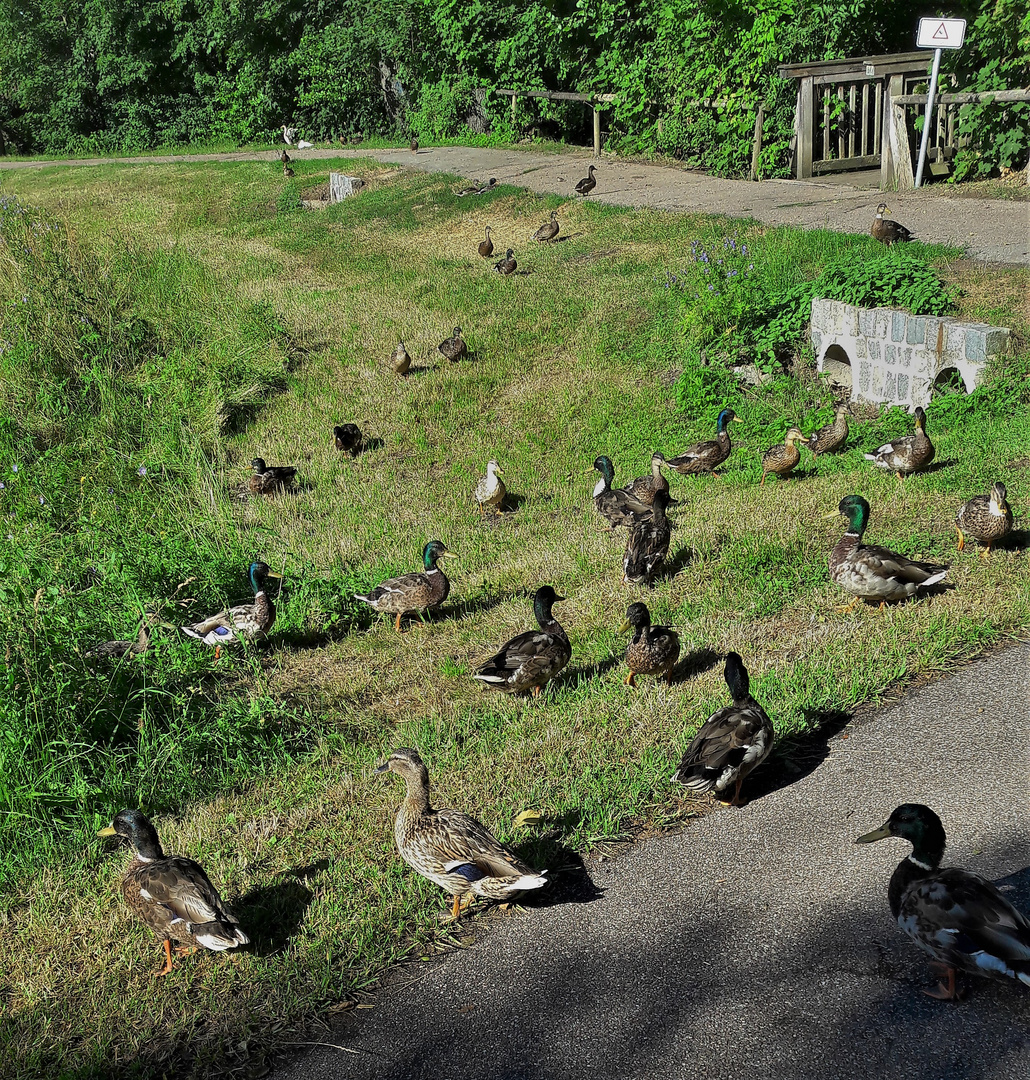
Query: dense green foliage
(688, 75)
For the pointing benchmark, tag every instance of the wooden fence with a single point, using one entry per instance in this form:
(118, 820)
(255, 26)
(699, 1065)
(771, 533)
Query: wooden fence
(593, 100)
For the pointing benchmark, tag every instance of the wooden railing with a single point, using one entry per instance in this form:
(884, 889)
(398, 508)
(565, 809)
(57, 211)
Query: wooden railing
(593, 100)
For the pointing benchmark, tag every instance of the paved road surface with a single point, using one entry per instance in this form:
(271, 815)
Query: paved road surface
(757, 943)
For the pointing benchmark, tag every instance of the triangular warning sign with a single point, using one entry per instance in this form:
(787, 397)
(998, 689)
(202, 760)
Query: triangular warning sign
(941, 33)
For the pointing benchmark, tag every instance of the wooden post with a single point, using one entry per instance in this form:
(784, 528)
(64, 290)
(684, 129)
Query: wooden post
(756, 146)
(597, 132)
(805, 123)
(895, 154)
(513, 100)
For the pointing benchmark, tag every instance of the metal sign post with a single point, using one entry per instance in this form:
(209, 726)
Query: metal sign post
(936, 34)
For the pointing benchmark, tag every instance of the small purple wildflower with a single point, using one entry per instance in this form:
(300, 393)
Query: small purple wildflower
(141, 471)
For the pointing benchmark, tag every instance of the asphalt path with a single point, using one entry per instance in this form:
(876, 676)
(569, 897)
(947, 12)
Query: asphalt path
(757, 942)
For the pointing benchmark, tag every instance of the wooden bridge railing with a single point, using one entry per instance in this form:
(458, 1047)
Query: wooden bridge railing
(593, 100)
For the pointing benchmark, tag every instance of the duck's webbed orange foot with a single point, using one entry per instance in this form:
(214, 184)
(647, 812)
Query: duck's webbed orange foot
(168, 959)
(946, 989)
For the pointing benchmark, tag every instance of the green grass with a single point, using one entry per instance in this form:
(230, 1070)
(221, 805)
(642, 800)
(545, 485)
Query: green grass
(221, 323)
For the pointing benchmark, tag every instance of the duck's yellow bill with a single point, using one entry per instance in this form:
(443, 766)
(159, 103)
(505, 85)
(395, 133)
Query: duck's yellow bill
(625, 626)
(829, 517)
(871, 837)
(109, 831)
(447, 555)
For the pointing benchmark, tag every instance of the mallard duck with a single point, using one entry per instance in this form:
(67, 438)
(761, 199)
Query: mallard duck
(647, 544)
(588, 183)
(450, 848)
(887, 231)
(470, 190)
(645, 488)
(454, 348)
(782, 459)
(413, 145)
(413, 592)
(874, 573)
(287, 171)
(614, 504)
(172, 894)
(507, 265)
(732, 742)
(284, 157)
(549, 230)
(653, 650)
(531, 660)
(908, 454)
(832, 436)
(706, 456)
(490, 492)
(486, 247)
(270, 479)
(488, 186)
(347, 438)
(400, 360)
(958, 917)
(116, 650)
(245, 622)
(985, 518)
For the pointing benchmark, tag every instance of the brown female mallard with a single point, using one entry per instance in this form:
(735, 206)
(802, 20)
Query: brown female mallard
(472, 188)
(644, 488)
(172, 894)
(653, 650)
(413, 145)
(507, 265)
(270, 479)
(401, 359)
(648, 544)
(588, 183)
(985, 518)
(450, 848)
(454, 347)
(413, 592)
(117, 650)
(347, 439)
(705, 457)
(618, 507)
(731, 743)
(832, 436)
(887, 231)
(782, 460)
(908, 454)
(549, 230)
(486, 247)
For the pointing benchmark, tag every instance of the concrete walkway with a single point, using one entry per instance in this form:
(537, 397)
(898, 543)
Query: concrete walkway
(988, 230)
(756, 943)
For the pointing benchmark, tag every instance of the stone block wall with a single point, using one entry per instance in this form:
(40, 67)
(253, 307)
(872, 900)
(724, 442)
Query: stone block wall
(893, 357)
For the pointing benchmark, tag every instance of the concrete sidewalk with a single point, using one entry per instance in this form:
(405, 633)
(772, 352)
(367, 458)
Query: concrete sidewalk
(756, 943)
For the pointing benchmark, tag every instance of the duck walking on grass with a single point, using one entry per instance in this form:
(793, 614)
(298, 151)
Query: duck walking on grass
(486, 247)
(347, 439)
(271, 479)
(172, 894)
(618, 507)
(653, 650)
(782, 460)
(732, 742)
(531, 660)
(648, 544)
(416, 593)
(245, 622)
(869, 572)
(832, 436)
(454, 347)
(985, 518)
(958, 917)
(549, 230)
(706, 457)
(645, 488)
(490, 492)
(450, 848)
(908, 454)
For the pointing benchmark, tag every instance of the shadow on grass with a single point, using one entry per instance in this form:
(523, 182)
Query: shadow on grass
(573, 676)
(271, 915)
(680, 561)
(693, 664)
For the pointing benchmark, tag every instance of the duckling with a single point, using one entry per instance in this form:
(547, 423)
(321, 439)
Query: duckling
(347, 438)
(530, 660)
(645, 488)
(886, 231)
(781, 460)
(874, 573)
(400, 360)
(454, 348)
(287, 171)
(413, 592)
(486, 247)
(908, 454)
(653, 650)
(958, 917)
(245, 622)
(413, 145)
(172, 894)
(549, 230)
(706, 456)
(616, 506)
(270, 479)
(490, 492)
(731, 743)
(588, 183)
(648, 544)
(985, 518)
(507, 265)
(832, 436)
(450, 848)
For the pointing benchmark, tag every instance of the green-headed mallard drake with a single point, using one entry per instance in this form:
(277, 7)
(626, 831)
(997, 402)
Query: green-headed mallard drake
(116, 650)
(413, 592)
(958, 917)
(486, 247)
(413, 145)
(245, 622)
(490, 492)
(985, 518)
(648, 544)
(400, 361)
(531, 660)
(653, 650)
(347, 439)
(832, 436)
(782, 459)
(707, 456)
(507, 265)
(549, 230)
(450, 848)
(614, 504)
(454, 347)
(588, 183)
(644, 488)
(874, 573)
(172, 894)
(270, 479)
(470, 190)
(887, 231)
(908, 454)
(731, 743)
